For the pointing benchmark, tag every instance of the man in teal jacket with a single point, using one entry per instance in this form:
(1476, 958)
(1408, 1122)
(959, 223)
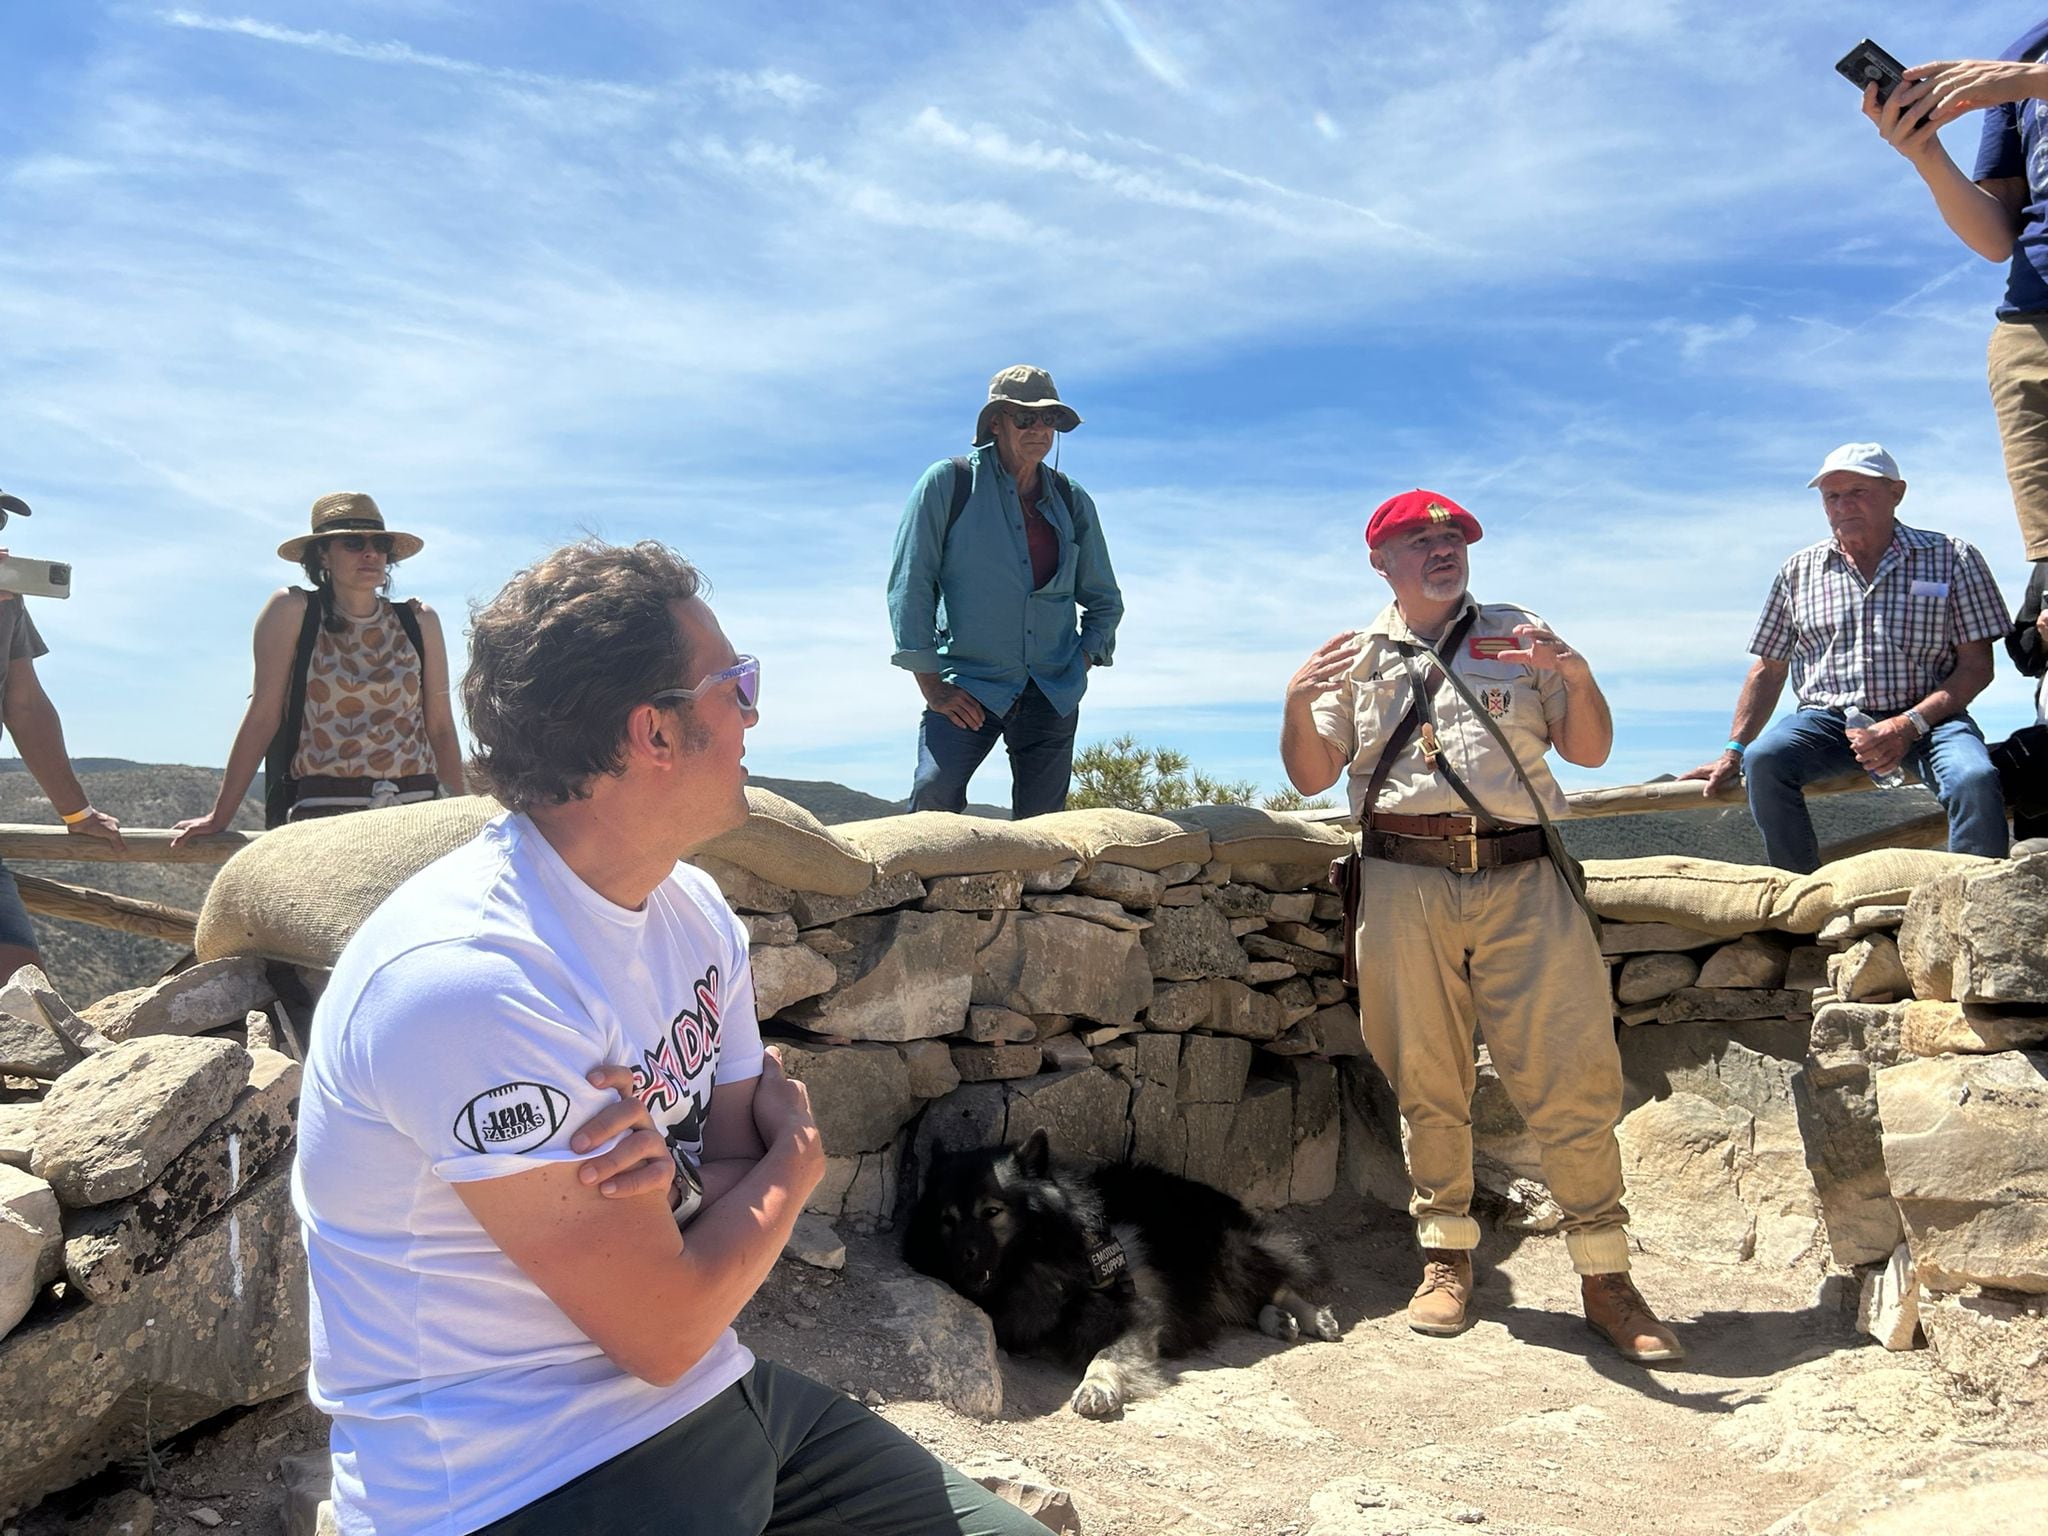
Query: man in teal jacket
(1001, 599)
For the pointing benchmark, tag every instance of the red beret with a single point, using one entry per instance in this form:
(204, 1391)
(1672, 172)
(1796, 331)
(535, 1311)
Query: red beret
(1418, 509)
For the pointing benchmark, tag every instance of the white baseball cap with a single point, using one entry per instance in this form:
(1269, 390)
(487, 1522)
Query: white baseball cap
(1859, 459)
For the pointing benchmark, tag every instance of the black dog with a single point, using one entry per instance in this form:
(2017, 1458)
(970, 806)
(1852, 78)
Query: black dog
(1107, 1268)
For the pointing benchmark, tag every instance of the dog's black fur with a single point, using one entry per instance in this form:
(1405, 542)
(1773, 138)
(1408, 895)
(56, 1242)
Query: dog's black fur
(1025, 1239)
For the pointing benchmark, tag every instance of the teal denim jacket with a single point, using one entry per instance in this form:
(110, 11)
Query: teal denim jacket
(962, 605)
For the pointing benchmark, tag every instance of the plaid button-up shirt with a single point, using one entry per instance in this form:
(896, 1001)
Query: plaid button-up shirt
(1885, 643)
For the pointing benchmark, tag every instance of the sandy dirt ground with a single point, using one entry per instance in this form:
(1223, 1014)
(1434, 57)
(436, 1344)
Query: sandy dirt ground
(1524, 1424)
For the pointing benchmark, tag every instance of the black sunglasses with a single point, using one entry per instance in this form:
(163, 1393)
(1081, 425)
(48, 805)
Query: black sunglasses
(356, 543)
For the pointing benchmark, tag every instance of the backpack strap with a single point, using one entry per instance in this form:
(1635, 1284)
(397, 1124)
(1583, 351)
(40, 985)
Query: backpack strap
(409, 621)
(961, 488)
(278, 784)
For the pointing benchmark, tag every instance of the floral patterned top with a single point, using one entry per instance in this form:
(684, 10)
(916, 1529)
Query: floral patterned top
(364, 717)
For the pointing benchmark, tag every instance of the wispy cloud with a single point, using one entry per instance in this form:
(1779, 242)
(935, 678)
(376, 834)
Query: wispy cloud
(1151, 56)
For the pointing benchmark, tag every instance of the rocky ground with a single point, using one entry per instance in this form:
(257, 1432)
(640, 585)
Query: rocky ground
(1522, 1425)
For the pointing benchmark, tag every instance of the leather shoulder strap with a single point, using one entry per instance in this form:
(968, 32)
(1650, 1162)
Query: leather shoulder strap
(1404, 731)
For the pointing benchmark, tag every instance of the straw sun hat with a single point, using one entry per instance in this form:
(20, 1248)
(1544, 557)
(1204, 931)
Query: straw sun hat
(350, 512)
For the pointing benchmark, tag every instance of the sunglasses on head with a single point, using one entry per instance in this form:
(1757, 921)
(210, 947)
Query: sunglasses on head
(744, 675)
(1024, 421)
(356, 543)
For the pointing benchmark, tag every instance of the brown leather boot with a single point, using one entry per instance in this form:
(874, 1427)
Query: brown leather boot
(1438, 1305)
(1617, 1312)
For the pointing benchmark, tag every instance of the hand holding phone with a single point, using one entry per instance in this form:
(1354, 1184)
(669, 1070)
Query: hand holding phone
(1867, 64)
(34, 578)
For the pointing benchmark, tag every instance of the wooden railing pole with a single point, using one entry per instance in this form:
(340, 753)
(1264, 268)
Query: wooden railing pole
(130, 914)
(146, 845)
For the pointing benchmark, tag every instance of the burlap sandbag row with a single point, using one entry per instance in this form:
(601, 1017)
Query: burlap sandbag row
(300, 892)
(785, 843)
(1882, 877)
(1243, 834)
(933, 843)
(1704, 894)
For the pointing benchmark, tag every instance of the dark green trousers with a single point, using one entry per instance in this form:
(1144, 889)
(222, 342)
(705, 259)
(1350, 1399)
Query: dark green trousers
(774, 1454)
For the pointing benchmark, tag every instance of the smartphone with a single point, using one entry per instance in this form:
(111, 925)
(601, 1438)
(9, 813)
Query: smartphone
(1868, 64)
(35, 578)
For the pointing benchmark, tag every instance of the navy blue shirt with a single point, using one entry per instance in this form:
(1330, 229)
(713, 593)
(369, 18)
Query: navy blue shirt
(2014, 145)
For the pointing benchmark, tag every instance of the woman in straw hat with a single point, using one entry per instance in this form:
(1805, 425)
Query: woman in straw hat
(351, 695)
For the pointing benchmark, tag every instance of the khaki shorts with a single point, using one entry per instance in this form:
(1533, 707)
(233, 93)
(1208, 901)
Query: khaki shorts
(2017, 364)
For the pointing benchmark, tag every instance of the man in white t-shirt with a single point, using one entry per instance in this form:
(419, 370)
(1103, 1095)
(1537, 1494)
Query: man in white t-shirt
(510, 1334)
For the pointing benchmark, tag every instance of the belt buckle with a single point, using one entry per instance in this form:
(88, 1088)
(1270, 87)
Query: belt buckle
(383, 793)
(1468, 849)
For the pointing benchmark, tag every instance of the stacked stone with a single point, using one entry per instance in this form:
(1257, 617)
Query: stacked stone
(1187, 1014)
(1929, 1119)
(149, 1260)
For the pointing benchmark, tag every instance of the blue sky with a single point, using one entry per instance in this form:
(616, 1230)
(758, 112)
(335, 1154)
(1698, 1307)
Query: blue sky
(1613, 273)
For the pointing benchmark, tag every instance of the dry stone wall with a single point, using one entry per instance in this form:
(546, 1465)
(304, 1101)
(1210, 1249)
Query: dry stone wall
(1844, 1072)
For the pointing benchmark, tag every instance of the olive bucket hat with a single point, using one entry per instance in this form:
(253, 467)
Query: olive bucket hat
(350, 512)
(1027, 388)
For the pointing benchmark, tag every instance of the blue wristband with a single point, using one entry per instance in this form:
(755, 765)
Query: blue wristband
(1734, 746)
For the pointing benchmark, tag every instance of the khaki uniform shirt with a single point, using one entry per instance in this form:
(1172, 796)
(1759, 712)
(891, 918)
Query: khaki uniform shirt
(1360, 713)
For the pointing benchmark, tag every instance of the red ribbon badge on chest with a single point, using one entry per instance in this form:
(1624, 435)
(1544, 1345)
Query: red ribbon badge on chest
(1489, 647)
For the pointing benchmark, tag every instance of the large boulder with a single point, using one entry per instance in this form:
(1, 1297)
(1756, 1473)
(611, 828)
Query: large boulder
(908, 976)
(222, 1325)
(115, 1121)
(1837, 1104)
(31, 1242)
(1187, 943)
(1966, 1150)
(786, 974)
(30, 1048)
(209, 995)
(1979, 934)
(1040, 962)
(860, 1094)
(1085, 1111)
(108, 1249)
(947, 1342)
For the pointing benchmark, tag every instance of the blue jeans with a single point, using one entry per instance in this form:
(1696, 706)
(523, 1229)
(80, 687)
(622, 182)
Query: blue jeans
(1812, 744)
(1041, 745)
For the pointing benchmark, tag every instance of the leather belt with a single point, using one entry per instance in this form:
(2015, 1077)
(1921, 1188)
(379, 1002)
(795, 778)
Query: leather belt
(1464, 854)
(1427, 826)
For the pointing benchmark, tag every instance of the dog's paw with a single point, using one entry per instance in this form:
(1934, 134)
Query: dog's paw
(1278, 1323)
(1324, 1326)
(1096, 1400)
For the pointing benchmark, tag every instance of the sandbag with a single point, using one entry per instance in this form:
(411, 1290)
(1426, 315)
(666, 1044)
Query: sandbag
(1703, 894)
(1881, 877)
(933, 843)
(783, 842)
(1115, 836)
(1245, 834)
(300, 891)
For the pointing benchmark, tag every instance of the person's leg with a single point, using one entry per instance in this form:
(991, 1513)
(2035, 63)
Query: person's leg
(1415, 1010)
(2018, 366)
(1540, 988)
(1956, 764)
(711, 1473)
(846, 1472)
(1041, 743)
(1807, 744)
(947, 756)
(17, 933)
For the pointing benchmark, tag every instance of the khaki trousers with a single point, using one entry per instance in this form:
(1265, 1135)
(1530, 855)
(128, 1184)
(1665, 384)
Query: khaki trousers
(1510, 951)
(2018, 367)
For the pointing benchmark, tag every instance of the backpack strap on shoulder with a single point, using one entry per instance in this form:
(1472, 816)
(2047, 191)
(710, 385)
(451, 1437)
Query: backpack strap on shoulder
(961, 488)
(278, 784)
(409, 621)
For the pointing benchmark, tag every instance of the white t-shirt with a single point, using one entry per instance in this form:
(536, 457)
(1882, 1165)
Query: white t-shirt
(451, 1045)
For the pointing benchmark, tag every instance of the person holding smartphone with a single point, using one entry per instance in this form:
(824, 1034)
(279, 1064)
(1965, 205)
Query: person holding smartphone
(2000, 211)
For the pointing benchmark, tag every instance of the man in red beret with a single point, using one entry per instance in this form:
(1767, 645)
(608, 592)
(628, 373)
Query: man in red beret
(1442, 711)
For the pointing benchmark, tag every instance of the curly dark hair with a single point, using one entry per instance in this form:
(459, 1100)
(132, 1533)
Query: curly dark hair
(560, 658)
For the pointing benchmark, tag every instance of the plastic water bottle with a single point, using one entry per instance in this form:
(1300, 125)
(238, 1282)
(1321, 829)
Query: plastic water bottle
(1857, 720)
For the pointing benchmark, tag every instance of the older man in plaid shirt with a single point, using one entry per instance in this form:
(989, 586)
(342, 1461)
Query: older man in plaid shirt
(1895, 621)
